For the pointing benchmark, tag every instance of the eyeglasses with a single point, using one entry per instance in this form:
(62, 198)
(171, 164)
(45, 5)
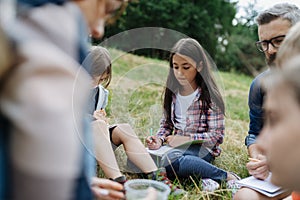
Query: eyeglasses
(275, 42)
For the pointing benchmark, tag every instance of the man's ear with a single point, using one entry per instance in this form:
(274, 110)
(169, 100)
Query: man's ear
(200, 66)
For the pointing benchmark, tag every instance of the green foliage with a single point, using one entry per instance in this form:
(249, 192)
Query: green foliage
(203, 20)
(239, 53)
(209, 22)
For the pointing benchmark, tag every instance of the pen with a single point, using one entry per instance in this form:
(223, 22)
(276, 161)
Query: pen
(151, 134)
(254, 160)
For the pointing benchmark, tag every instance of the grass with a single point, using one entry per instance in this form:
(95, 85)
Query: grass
(136, 98)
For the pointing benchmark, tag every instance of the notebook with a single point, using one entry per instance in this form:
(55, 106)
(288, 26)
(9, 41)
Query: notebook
(157, 154)
(262, 186)
(163, 149)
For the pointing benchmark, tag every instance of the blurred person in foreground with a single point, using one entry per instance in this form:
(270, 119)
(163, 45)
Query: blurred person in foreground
(281, 134)
(44, 99)
(286, 127)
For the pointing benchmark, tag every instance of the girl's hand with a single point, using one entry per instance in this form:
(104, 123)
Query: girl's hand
(106, 189)
(153, 142)
(176, 140)
(100, 114)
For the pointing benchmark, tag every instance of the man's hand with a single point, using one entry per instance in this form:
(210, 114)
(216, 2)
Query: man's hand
(258, 167)
(105, 189)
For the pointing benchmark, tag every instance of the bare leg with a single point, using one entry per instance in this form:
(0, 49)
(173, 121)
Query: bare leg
(103, 150)
(249, 194)
(134, 148)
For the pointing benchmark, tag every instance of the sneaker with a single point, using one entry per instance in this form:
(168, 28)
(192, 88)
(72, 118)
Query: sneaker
(209, 185)
(161, 175)
(237, 178)
(233, 185)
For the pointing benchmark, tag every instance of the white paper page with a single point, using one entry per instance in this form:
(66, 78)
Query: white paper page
(161, 151)
(262, 186)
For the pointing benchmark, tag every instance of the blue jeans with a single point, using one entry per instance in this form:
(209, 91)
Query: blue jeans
(193, 161)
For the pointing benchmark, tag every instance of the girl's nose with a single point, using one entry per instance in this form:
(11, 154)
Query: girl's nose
(180, 72)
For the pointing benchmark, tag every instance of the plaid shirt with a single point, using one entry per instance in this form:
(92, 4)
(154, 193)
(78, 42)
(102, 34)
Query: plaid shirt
(201, 124)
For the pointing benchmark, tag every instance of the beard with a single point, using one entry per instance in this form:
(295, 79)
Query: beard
(271, 60)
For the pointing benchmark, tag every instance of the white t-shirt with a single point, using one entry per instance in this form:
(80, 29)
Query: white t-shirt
(181, 106)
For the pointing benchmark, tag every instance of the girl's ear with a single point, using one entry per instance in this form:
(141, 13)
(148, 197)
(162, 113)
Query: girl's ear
(200, 66)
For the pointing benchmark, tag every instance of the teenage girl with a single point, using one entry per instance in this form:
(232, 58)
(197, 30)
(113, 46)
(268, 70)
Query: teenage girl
(193, 111)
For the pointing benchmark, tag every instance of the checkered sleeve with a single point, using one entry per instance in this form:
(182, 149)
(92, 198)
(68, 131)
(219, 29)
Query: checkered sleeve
(165, 129)
(214, 133)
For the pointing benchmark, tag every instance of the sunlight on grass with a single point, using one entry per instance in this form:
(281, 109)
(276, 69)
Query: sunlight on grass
(136, 98)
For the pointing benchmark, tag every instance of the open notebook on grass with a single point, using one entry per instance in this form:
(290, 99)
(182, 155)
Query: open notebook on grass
(262, 186)
(165, 148)
(159, 152)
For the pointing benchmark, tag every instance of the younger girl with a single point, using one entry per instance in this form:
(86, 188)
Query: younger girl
(193, 111)
(106, 136)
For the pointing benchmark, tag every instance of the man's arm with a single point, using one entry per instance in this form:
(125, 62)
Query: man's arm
(255, 103)
(254, 151)
(257, 168)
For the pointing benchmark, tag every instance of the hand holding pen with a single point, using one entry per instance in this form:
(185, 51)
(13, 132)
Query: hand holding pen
(153, 142)
(258, 167)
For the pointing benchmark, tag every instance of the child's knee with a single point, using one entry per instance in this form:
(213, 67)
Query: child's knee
(126, 128)
(245, 193)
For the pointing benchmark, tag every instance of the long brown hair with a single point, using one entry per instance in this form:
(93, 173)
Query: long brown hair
(204, 78)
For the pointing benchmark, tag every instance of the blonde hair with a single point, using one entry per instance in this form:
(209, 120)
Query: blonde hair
(289, 47)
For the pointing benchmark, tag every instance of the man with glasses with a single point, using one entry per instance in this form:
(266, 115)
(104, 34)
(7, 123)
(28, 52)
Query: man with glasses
(273, 25)
(263, 46)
